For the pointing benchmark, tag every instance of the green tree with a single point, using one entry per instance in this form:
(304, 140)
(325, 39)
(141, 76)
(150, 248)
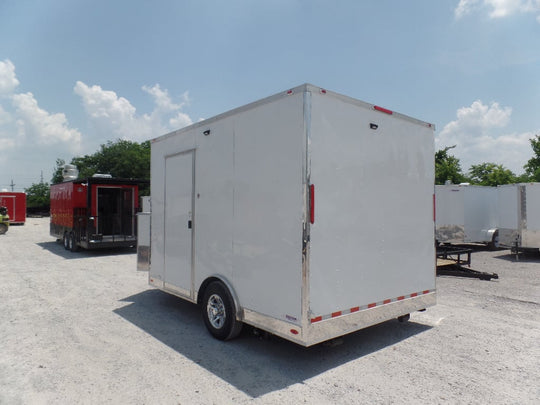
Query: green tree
(532, 168)
(447, 167)
(57, 175)
(491, 174)
(38, 196)
(125, 159)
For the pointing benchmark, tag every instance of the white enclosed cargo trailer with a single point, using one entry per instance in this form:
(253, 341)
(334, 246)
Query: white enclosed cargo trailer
(519, 216)
(307, 214)
(466, 214)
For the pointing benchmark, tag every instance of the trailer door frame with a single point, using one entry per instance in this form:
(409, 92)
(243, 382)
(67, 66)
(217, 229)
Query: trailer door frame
(119, 229)
(178, 227)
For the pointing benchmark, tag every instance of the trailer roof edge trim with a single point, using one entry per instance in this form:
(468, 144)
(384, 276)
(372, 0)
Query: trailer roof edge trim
(105, 180)
(299, 89)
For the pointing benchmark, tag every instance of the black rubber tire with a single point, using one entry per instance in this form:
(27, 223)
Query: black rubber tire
(72, 242)
(3, 229)
(219, 312)
(494, 244)
(65, 240)
(404, 318)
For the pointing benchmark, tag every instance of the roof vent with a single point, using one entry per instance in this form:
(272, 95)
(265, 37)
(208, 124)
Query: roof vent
(70, 172)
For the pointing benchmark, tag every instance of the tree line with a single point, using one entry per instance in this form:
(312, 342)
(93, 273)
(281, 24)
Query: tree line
(127, 159)
(448, 169)
(121, 159)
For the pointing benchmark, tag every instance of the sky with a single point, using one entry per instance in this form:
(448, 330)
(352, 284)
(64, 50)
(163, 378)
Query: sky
(77, 74)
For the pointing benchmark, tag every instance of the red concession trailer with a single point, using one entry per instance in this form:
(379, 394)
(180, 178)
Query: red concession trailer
(15, 202)
(96, 212)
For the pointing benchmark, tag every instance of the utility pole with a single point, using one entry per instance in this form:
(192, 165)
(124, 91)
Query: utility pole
(12, 185)
(41, 180)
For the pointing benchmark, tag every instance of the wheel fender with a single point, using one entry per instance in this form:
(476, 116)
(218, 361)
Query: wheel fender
(225, 281)
(491, 236)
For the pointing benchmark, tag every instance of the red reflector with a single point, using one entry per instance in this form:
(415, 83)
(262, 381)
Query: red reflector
(413, 295)
(289, 92)
(372, 305)
(317, 319)
(425, 292)
(294, 331)
(387, 301)
(312, 204)
(384, 110)
(334, 314)
(401, 298)
(323, 91)
(355, 309)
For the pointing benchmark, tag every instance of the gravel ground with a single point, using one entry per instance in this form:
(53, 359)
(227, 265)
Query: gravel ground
(85, 327)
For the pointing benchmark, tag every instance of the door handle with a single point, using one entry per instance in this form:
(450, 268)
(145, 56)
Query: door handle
(189, 224)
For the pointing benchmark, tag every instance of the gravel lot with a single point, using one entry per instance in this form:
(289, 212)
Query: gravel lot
(85, 327)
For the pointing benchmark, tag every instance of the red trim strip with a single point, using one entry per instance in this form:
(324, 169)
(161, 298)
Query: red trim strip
(312, 204)
(384, 110)
(368, 306)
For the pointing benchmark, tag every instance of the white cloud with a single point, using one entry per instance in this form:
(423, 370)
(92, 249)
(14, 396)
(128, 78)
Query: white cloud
(477, 135)
(5, 117)
(35, 137)
(114, 114)
(465, 7)
(498, 8)
(30, 137)
(28, 123)
(165, 108)
(36, 124)
(8, 80)
(163, 100)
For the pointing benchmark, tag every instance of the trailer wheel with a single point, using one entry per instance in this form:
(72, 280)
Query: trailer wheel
(494, 244)
(65, 240)
(404, 318)
(73, 242)
(219, 312)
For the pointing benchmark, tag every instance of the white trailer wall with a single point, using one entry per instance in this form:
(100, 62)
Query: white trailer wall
(531, 236)
(465, 213)
(519, 215)
(247, 208)
(373, 236)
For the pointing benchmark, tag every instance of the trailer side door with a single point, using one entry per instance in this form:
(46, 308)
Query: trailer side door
(178, 226)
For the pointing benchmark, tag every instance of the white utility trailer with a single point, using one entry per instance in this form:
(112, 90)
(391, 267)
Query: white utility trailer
(466, 214)
(519, 216)
(307, 214)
